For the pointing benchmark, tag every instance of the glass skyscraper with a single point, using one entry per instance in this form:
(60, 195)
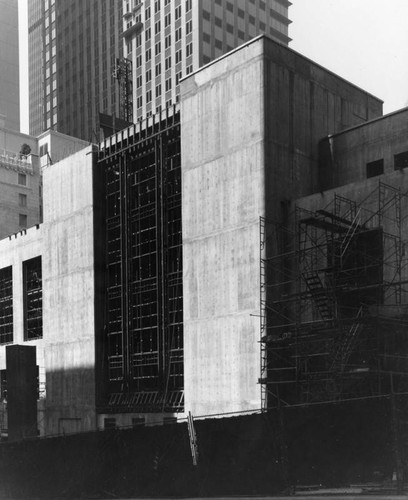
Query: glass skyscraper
(73, 48)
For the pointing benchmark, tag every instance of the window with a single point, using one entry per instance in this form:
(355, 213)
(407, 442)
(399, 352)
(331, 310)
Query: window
(401, 160)
(157, 48)
(167, 20)
(32, 282)
(167, 63)
(177, 12)
(189, 27)
(157, 28)
(178, 56)
(158, 90)
(147, 34)
(156, 6)
(189, 49)
(148, 55)
(44, 149)
(158, 69)
(22, 220)
(147, 13)
(148, 75)
(230, 7)
(178, 34)
(22, 179)
(206, 15)
(168, 84)
(6, 307)
(188, 5)
(167, 42)
(22, 200)
(178, 77)
(139, 101)
(375, 168)
(148, 96)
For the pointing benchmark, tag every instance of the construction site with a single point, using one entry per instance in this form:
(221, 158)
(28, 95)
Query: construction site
(334, 308)
(143, 349)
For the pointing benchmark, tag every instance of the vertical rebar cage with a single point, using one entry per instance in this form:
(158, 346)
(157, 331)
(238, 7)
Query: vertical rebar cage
(144, 307)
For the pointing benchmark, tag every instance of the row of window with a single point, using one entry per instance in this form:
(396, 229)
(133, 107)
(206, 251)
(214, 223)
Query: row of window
(32, 301)
(374, 168)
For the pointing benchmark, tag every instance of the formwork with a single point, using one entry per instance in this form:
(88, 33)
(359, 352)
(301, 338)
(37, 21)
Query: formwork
(143, 337)
(334, 303)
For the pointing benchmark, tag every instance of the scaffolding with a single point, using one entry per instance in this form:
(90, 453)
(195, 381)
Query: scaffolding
(144, 306)
(334, 302)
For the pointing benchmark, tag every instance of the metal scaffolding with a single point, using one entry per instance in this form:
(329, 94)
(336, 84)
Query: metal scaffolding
(334, 302)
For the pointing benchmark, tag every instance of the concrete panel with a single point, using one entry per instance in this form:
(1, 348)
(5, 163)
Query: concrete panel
(222, 164)
(344, 156)
(250, 128)
(68, 277)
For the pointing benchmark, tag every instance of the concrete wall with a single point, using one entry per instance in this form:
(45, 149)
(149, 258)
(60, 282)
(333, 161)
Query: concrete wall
(344, 156)
(304, 102)
(60, 146)
(13, 252)
(69, 309)
(222, 154)
(251, 122)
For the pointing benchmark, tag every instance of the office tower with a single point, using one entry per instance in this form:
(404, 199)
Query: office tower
(9, 69)
(73, 47)
(169, 39)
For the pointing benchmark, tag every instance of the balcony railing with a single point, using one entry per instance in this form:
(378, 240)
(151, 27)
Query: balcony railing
(16, 161)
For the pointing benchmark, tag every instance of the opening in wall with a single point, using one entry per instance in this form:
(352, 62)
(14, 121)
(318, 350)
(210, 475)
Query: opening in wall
(32, 283)
(401, 160)
(375, 168)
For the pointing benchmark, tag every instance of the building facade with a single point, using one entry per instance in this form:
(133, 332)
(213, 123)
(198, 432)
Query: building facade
(20, 181)
(73, 48)
(9, 65)
(167, 40)
(151, 249)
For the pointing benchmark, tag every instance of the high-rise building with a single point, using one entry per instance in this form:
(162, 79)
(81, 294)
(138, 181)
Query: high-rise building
(9, 69)
(73, 48)
(169, 39)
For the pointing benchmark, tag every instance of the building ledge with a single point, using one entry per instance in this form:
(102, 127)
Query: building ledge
(279, 17)
(133, 30)
(15, 161)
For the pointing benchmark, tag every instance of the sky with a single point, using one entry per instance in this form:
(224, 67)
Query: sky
(363, 41)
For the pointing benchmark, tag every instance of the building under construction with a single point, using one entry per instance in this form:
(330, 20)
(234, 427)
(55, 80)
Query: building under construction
(142, 352)
(334, 304)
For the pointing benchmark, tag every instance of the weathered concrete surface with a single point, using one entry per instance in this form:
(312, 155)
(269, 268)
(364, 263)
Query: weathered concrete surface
(13, 252)
(69, 308)
(344, 156)
(222, 162)
(250, 128)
